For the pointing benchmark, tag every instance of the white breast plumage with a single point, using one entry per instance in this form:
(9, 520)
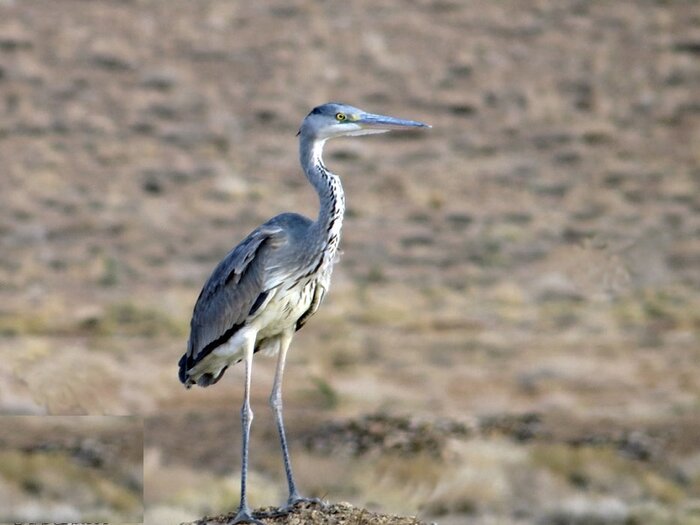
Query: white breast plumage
(286, 306)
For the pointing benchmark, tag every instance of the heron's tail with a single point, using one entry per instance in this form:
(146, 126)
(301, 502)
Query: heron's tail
(183, 373)
(203, 379)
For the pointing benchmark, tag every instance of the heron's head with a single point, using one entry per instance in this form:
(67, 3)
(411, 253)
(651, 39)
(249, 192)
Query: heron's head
(337, 120)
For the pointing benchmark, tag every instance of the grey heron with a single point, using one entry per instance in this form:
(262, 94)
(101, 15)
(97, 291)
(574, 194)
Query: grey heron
(268, 286)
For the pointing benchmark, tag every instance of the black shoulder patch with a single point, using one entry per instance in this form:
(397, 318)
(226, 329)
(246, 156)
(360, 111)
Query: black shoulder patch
(302, 320)
(230, 277)
(315, 302)
(258, 302)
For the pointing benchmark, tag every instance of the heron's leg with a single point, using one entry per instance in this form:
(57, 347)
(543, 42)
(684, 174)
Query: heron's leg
(244, 515)
(276, 404)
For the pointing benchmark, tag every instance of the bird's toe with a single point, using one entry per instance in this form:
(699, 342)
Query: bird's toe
(299, 501)
(244, 516)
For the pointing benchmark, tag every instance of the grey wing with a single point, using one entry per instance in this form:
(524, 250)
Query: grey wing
(234, 289)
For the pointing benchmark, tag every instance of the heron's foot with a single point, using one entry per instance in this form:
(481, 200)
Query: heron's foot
(244, 516)
(295, 499)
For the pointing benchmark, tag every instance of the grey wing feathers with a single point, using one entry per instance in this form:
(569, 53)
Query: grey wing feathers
(229, 295)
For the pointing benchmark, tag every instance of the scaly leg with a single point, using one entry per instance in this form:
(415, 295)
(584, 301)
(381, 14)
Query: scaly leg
(244, 515)
(276, 404)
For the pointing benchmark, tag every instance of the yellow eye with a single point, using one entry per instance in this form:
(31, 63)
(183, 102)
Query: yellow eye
(340, 117)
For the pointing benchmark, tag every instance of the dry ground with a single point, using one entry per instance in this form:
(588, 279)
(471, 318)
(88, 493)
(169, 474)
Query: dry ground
(315, 514)
(512, 332)
(71, 468)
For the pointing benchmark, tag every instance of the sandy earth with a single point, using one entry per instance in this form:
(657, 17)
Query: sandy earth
(512, 331)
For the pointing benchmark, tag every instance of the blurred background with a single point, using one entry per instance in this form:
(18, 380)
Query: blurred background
(71, 468)
(512, 331)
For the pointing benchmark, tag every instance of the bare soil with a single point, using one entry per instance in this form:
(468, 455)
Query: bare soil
(314, 514)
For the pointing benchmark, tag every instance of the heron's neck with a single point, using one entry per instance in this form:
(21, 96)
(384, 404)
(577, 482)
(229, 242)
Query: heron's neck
(328, 187)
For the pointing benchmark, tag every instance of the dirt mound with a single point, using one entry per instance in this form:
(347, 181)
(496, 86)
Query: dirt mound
(315, 514)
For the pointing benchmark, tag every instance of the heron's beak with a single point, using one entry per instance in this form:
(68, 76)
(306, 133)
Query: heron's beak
(382, 123)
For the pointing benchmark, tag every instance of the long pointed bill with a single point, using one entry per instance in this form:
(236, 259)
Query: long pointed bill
(381, 121)
(372, 123)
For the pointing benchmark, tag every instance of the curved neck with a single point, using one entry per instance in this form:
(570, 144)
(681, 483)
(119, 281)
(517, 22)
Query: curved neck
(327, 185)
